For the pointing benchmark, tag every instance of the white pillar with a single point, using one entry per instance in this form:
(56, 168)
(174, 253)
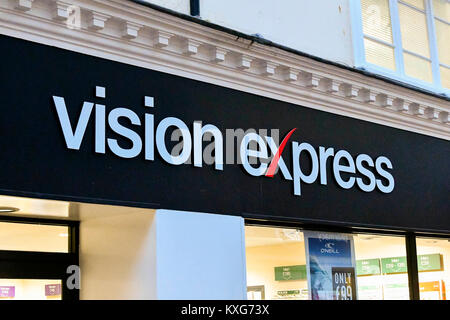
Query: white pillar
(200, 256)
(132, 253)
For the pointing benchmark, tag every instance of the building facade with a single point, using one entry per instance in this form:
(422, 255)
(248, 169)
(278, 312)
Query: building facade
(225, 149)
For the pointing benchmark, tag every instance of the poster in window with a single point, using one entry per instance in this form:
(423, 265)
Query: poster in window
(327, 252)
(344, 287)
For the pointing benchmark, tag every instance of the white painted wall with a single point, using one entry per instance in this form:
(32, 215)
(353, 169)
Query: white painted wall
(200, 256)
(318, 27)
(131, 253)
(182, 6)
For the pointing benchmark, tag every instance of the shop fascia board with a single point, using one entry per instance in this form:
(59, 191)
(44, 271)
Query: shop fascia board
(169, 44)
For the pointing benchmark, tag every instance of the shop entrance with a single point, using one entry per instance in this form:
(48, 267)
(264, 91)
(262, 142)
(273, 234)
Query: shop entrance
(38, 259)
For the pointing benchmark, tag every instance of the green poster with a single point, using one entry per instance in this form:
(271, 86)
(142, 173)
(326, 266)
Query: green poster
(429, 262)
(290, 273)
(394, 265)
(368, 267)
(425, 262)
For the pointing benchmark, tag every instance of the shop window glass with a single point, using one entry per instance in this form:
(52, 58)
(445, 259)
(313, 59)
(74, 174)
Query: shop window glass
(276, 264)
(284, 263)
(381, 267)
(34, 237)
(30, 289)
(433, 261)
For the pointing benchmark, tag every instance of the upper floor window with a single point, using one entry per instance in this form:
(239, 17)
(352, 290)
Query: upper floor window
(407, 40)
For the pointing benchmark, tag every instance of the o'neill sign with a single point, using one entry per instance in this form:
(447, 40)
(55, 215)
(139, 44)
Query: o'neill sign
(363, 166)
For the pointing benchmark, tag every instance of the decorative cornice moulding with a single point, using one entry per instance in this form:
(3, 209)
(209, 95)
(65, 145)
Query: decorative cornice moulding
(123, 31)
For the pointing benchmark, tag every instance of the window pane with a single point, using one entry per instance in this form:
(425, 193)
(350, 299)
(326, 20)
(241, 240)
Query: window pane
(414, 31)
(30, 289)
(381, 267)
(33, 237)
(376, 19)
(441, 9)
(285, 263)
(379, 54)
(276, 265)
(417, 67)
(416, 3)
(445, 77)
(443, 41)
(433, 262)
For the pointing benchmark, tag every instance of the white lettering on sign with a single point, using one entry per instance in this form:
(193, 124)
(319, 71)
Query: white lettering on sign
(254, 148)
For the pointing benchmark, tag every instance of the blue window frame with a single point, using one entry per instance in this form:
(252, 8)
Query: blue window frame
(438, 83)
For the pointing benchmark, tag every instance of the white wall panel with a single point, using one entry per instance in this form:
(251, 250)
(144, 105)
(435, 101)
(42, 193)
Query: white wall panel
(320, 28)
(132, 253)
(200, 256)
(175, 5)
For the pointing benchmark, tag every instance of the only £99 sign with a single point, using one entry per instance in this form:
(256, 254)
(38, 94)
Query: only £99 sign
(344, 287)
